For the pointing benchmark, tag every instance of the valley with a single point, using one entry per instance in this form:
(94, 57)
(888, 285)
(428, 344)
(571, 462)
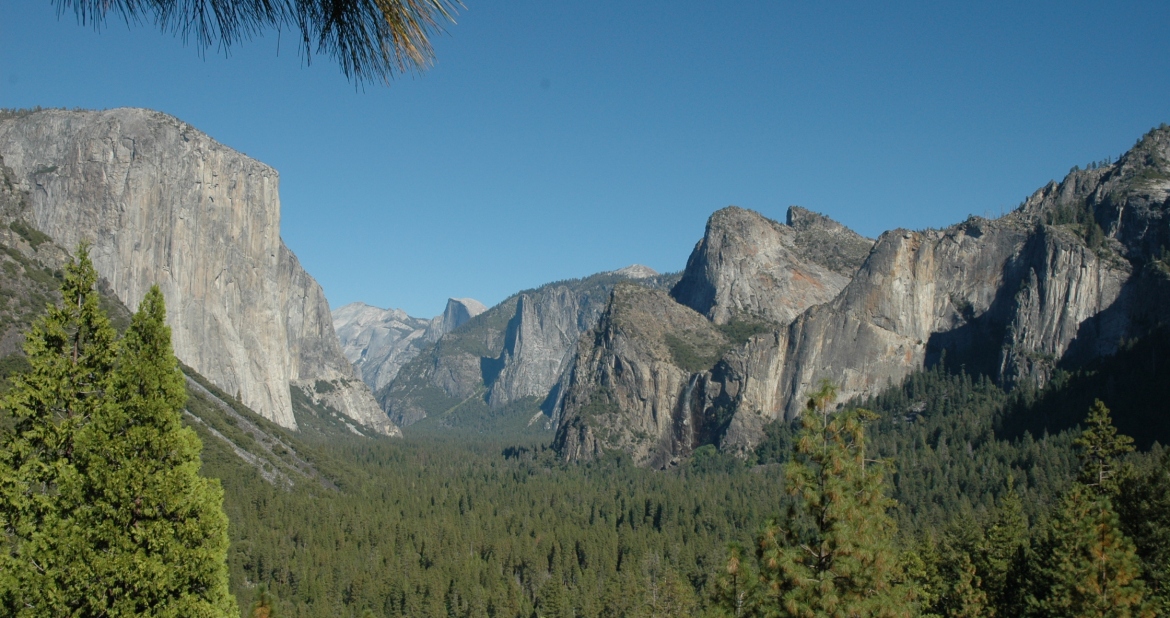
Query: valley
(611, 445)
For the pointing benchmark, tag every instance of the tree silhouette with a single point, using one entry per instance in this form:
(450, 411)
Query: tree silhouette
(370, 39)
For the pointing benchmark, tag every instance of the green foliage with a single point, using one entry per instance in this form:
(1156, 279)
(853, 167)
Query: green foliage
(690, 355)
(265, 605)
(102, 508)
(739, 329)
(835, 553)
(940, 432)
(520, 420)
(776, 447)
(151, 524)
(471, 526)
(1144, 508)
(734, 593)
(1090, 567)
(33, 236)
(1079, 217)
(1134, 383)
(709, 460)
(1100, 448)
(71, 354)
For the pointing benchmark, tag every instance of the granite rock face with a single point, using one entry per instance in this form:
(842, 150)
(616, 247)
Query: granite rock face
(1081, 266)
(161, 202)
(749, 265)
(747, 271)
(1002, 298)
(378, 342)
(458, 312)
(512, 354)
(537, 344)
(626, 390)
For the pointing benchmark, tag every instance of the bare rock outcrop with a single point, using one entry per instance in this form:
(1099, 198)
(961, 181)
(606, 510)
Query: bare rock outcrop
(514, 353)
(161, 202)
(998, 297)
(1079, 268)
(458, 312)
(627, 391)
(537, 344)
(378, 342)
(747, 264)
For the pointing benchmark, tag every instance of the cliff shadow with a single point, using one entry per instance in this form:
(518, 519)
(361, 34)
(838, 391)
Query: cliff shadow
(1134, 383)
(976, 346)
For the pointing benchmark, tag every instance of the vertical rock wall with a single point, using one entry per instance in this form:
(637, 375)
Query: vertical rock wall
(163, 203)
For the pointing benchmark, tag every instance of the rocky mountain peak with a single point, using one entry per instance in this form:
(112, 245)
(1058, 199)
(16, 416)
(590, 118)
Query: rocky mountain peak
(749, 265)
(1081, 267)
(636, 271)
(458, 312)
(164, 203)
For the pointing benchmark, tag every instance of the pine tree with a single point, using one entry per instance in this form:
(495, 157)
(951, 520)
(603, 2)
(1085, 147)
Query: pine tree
(152, 532)
(1093, 568)
(103, 510)
(845, 563)
(733, 595)
(1004, 566)
(71, 353)
(961, 592)
(265, 604)
(1100, 446)
(1144, 508)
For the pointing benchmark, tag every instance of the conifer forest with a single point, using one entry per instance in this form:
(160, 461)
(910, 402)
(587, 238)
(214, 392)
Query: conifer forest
(941, 496)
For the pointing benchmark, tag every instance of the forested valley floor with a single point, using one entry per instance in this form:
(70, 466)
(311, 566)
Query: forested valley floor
(333, 524)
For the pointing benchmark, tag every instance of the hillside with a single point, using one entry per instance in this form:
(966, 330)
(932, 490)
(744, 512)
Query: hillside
(163, 203)
(1077, 270)
(499, 371)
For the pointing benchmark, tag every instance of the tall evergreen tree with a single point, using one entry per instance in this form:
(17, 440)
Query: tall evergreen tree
(102, 508)
(1005, 563)
(1100, 447)
(1144, 508)
(150, 530)
(71, 353)
(1091, 568)
(734, 589)
(844, 563)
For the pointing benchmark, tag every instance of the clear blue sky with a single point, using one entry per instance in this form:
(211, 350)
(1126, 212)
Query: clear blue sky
(556, 139)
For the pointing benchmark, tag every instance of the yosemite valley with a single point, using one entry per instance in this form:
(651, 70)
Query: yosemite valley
(937, 416)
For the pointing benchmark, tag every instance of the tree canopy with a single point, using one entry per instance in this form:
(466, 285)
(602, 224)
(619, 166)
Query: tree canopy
(102, 508)
(370, 39)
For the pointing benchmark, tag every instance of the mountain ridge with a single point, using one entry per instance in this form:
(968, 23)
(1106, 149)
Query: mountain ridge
(1079, 268)
(162, 202)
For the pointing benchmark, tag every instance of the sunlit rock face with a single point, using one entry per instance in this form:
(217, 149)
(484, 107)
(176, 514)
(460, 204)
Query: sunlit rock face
(161, 202)
(1079, 268)
(646, 381)
(513, 354)
(378, 342)
(747, 264)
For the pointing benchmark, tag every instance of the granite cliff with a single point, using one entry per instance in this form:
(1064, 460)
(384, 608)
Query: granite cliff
(508, 359)
(647, 365)
(161, 202)
(748, 264)
(1081, 266)
(378, 342)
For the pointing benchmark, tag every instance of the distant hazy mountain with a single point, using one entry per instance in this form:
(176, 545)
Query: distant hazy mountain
(379, 341)
(499, 368)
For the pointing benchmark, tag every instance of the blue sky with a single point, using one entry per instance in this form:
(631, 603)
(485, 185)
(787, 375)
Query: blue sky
(554, 139)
